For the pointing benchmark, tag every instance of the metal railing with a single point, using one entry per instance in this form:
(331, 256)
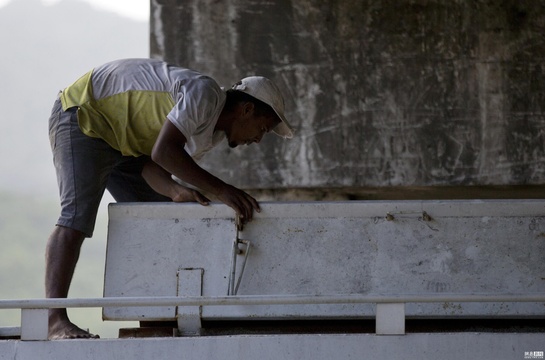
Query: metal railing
(390, 309)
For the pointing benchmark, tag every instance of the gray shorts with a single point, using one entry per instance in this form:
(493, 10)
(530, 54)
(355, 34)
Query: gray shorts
(87, 166)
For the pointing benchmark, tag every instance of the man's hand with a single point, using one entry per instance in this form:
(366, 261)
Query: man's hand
(169, 154)
(162, 182)
(243, 204)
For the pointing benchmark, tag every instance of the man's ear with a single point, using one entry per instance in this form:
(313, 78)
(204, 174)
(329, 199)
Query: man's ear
(247, 108)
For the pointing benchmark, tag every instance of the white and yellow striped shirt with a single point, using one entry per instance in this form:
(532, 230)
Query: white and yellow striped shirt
(126, 102)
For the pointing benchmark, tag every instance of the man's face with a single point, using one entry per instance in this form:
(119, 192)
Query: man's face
(250, 128)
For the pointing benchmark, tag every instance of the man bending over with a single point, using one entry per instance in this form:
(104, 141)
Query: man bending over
(129, 126)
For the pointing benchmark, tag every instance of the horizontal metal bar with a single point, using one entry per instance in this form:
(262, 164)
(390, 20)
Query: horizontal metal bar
(336, 209)
(263, 300)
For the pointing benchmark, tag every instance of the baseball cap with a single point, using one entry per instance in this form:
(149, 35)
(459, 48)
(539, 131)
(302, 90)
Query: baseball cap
(265, 90)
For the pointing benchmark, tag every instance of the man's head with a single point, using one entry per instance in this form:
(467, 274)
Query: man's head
(257, 107)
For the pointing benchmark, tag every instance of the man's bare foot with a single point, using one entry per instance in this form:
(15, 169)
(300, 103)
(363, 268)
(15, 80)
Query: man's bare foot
(66, 330)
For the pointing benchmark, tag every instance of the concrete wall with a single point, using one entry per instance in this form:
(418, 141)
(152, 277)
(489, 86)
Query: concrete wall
(382, 92)
(445, 346)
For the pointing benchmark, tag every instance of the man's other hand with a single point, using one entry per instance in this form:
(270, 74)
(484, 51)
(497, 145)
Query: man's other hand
(184, 194)
(243, 204)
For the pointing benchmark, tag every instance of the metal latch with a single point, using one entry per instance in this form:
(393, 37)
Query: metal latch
(236, 250)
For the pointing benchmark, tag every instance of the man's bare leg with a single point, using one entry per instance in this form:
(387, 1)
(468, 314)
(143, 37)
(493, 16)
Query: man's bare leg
(62, 254)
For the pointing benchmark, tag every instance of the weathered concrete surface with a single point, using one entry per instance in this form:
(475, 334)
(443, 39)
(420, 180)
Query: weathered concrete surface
(330, 248)
(304, 347)
(382, 93)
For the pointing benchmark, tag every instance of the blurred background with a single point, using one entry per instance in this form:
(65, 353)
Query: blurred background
(46, 45)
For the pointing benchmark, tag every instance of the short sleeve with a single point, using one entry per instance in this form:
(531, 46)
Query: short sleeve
(196, 104)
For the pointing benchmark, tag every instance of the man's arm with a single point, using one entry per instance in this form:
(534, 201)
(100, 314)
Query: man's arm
(169, 153)
(161, 181)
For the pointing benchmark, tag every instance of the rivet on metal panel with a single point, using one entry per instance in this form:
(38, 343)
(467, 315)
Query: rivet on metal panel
(389, 217)
(426, 216)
